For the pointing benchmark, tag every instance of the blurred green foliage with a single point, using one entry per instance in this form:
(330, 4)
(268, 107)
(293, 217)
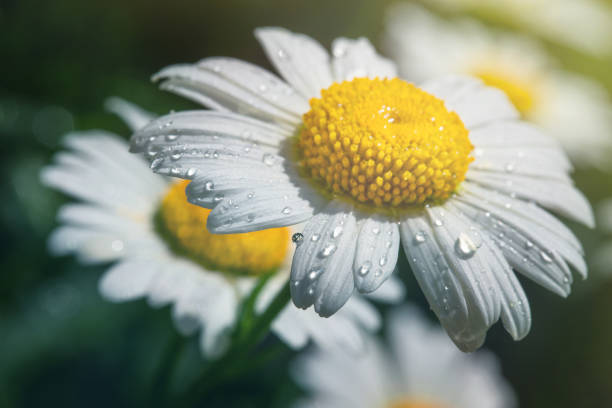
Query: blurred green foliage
(62, 345)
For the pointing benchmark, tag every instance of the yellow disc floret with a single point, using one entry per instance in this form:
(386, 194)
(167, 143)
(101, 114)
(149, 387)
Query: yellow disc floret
(384, 143)
(413, 404)
(184, 226)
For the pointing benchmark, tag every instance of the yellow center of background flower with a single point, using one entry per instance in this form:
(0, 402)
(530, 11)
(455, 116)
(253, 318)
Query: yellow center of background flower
(384, 143)
(184, 226)
(413, 404)
(519, 91)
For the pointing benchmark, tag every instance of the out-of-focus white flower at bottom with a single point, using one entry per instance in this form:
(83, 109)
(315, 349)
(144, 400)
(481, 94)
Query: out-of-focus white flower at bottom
(420, 368)
(162, 250)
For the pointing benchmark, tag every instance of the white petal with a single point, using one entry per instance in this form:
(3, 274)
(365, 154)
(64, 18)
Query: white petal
(463, 322)
(376, 255)
(515, 312)
(133, 115)
(267, 208)
(89, 245)
(321, 272)
(358, 58)
(234, 87)
(128, 280)
(534, 223)
(512, 134)
(559, 196)
(302, 61)
(475, 103)
(524, 253)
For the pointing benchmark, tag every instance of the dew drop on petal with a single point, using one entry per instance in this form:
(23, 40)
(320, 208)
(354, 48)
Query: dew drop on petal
(315, 237)
(364, 269)
(297, 238)
(464, 246)
(269, 159)
(420, 237)
(209, 185)
(286, 210)
(336, 232)
(545, 257)
(327, 250)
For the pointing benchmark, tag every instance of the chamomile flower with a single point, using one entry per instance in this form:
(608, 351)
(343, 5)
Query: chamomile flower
(162, 251)
(419, 368)
(571, 108)
(370, 161)
(584, 25)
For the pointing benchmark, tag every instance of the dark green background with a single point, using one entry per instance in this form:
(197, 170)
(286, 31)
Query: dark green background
(62, 345)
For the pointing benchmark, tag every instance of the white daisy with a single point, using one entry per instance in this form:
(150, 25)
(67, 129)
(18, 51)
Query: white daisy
(585, 25)
(419, 369)
(366, 161)
(162, 251)
(571, 108)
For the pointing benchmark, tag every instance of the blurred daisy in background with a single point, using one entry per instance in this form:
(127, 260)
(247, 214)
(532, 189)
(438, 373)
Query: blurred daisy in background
(569, 107)
(419, 368)
(447, 169)
(585, 25)
(162, 251)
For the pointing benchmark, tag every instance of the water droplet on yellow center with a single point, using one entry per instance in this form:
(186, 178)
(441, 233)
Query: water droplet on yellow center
(184, 227)
(384, 143)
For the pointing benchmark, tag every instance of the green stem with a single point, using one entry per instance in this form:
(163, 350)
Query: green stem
(218, 370)
(161, 382)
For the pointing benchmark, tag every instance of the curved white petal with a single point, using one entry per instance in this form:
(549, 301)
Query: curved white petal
(358, 58)
(301, 61)
(236, 86)
(376, 255)
(465, 325)
(133, 115)
(128, 280)
(559, 196)
(321, 272)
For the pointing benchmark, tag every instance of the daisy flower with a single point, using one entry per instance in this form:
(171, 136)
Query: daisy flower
(590, 20)
(162, 251)
(370, 161)
(571, 108)
(418, 369)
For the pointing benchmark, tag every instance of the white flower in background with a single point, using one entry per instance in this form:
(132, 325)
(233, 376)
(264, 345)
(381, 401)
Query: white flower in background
(162, 251)
(448, 169)
(585, 25)
(418, 369)
(569, 107)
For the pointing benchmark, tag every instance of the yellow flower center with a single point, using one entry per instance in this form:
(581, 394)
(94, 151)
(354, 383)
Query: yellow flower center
(410, 403)
(184, 226)
(519, 91)
(384, 143)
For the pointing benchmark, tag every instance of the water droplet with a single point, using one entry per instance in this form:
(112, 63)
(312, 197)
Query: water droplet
(420, 237)
(263, 88)
(296, 283)
(250, 195)
(218, 197)
(215, 155)
(171, 138)
(282, 54)
(315, 237)
(465, 247)
(269, 159)
(310, 291)
(250, 217)
(336, 232)
(528, 244)
(509, 167)
(545, 257)
(191, 172)
(364, 269)
(438, 222)
(286, 210)
(297, 238)
(378, 273)
(327, 250)
(176, 155)
(315, 272)
(175, 171)
(382, 261)
(376, 230)
(209, 185)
